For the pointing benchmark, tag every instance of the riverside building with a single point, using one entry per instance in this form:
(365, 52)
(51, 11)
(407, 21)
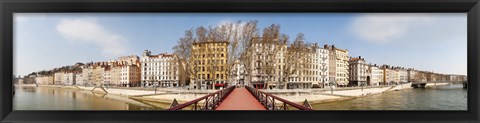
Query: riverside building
(375, 75)
(315, 70)
(162, 69)
(339, 60)
(359, 72)
(209, 64)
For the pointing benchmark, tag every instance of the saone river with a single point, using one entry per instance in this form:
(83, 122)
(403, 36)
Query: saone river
(449, 97)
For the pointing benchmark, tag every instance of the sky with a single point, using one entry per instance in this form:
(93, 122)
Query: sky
(424, 41)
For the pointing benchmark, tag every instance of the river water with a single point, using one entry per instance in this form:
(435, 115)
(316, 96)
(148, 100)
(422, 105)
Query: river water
(449, 97)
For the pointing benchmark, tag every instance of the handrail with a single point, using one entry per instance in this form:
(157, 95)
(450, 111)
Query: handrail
(211, 100)
(268, 101)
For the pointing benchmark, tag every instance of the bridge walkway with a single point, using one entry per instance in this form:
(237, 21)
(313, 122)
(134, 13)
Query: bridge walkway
(240, 99)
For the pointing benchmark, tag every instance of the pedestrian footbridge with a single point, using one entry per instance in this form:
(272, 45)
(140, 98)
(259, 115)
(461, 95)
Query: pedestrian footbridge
(241, 98)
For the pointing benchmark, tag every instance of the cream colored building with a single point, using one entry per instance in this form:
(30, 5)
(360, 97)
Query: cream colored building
(44, 80)
(358, 72)
(388, 74)
(339, 59)
(315, 71)
(375, 75)
(129, 75)
(268, 64)
(58, 78)
(93, 74)
(79, 78)
(402, 75)
(162, 68)
(68, 78)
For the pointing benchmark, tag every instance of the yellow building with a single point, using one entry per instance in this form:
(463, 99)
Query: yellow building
(209, 64)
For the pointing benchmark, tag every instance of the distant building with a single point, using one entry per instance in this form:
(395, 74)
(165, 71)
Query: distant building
(129, 75)
(402, 74)
(58, 78)
(238, 73)
(162, 68)
(68, 78)
(359, 72)
(79, 78)
(376, 75)
(93, 74)
(388, 75)
(340, 72)
(45, 80)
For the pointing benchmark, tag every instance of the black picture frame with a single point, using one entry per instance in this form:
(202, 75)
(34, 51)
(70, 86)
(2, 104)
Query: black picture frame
(8, 7)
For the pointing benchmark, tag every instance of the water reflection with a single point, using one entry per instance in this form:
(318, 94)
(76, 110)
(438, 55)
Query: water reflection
(450, 97)
(50, 98)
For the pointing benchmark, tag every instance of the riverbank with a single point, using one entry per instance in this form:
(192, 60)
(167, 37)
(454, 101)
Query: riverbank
(167, 95)
(121, 92)
(325, 96)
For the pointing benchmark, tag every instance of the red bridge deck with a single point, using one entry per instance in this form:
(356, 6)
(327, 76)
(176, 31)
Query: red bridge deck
(240, 99)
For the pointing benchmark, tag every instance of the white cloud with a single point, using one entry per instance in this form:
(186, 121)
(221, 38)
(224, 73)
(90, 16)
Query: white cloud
(87, 30)
(387, 27)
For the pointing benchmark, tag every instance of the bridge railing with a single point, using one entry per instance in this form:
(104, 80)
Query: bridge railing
(208, 102)
(269, 101)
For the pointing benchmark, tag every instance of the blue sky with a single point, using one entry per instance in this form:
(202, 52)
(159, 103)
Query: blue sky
(426, 41)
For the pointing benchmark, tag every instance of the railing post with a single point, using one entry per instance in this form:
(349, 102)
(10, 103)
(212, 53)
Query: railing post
(273, 100)
(266, 100)
(206, 103)
(284, 106)
(196, 105)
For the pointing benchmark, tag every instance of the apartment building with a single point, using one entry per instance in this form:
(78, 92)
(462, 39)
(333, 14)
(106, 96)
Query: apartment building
(339, 59)
(162, 69)
(375, 75)
(210, 64)
(358, 72)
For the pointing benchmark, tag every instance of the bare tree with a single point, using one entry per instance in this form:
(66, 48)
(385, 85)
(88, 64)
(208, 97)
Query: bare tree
(183, 51)
(201, 34)
(295, 58)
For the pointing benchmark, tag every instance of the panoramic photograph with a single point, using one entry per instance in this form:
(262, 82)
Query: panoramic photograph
(240, 61)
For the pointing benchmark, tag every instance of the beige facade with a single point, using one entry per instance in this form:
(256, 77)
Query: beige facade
(315, 69)
(44, 80)
(339, 61)
(376, 75)
(267, 63)
(359, 72)
(389, 74)
(209, 63)
(79, 78)
(68, 78)
(58, 78)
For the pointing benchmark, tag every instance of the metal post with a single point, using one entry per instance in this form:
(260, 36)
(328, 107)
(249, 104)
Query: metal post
(195, 105)
(206, 103)
(273, 100)
(266, 100)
